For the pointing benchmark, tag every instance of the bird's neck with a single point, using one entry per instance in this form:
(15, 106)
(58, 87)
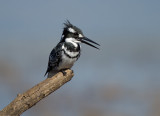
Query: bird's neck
(72, 46)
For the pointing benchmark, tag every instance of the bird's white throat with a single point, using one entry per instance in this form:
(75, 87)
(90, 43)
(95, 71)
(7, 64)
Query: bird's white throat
(73, 41)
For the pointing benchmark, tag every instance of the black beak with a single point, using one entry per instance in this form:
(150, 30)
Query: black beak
(85, 39)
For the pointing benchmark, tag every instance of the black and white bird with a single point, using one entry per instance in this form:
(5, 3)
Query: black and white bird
(68, 50)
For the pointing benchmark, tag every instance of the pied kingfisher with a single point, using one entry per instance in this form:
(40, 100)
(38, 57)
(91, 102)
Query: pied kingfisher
(67, 50)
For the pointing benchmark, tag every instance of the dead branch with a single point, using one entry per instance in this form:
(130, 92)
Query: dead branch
(32, 96)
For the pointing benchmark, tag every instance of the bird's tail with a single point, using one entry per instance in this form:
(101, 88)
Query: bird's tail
(45, 73)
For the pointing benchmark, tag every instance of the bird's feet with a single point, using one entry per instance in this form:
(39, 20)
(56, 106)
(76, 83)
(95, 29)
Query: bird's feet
(63, 71)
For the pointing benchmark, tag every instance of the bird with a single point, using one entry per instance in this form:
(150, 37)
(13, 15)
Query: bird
(68, 50)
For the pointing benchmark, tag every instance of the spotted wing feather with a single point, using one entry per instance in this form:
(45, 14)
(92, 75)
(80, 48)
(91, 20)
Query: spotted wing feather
(54, 58)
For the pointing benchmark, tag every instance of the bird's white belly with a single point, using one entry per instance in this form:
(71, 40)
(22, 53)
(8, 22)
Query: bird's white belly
(66, 62)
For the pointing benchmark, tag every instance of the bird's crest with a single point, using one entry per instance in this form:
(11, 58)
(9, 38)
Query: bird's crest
(67, 24)
(71, 28)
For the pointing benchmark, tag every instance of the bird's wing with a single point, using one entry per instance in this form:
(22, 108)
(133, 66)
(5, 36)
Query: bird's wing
(54, 57)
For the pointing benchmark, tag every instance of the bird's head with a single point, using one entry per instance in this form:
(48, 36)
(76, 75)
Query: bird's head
(73, 34)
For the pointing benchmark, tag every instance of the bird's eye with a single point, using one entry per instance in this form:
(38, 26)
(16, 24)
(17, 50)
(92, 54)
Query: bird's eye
(76, 34)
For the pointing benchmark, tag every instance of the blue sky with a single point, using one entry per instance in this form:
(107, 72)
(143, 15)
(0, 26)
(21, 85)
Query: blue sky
(126, 17)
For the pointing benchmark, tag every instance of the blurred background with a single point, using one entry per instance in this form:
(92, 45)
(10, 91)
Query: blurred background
(121, 79)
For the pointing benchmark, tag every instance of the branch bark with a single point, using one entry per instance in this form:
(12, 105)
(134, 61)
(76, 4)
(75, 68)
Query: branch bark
(32, 96)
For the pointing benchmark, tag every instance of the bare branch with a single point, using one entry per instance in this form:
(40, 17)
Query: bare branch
(32, 96)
